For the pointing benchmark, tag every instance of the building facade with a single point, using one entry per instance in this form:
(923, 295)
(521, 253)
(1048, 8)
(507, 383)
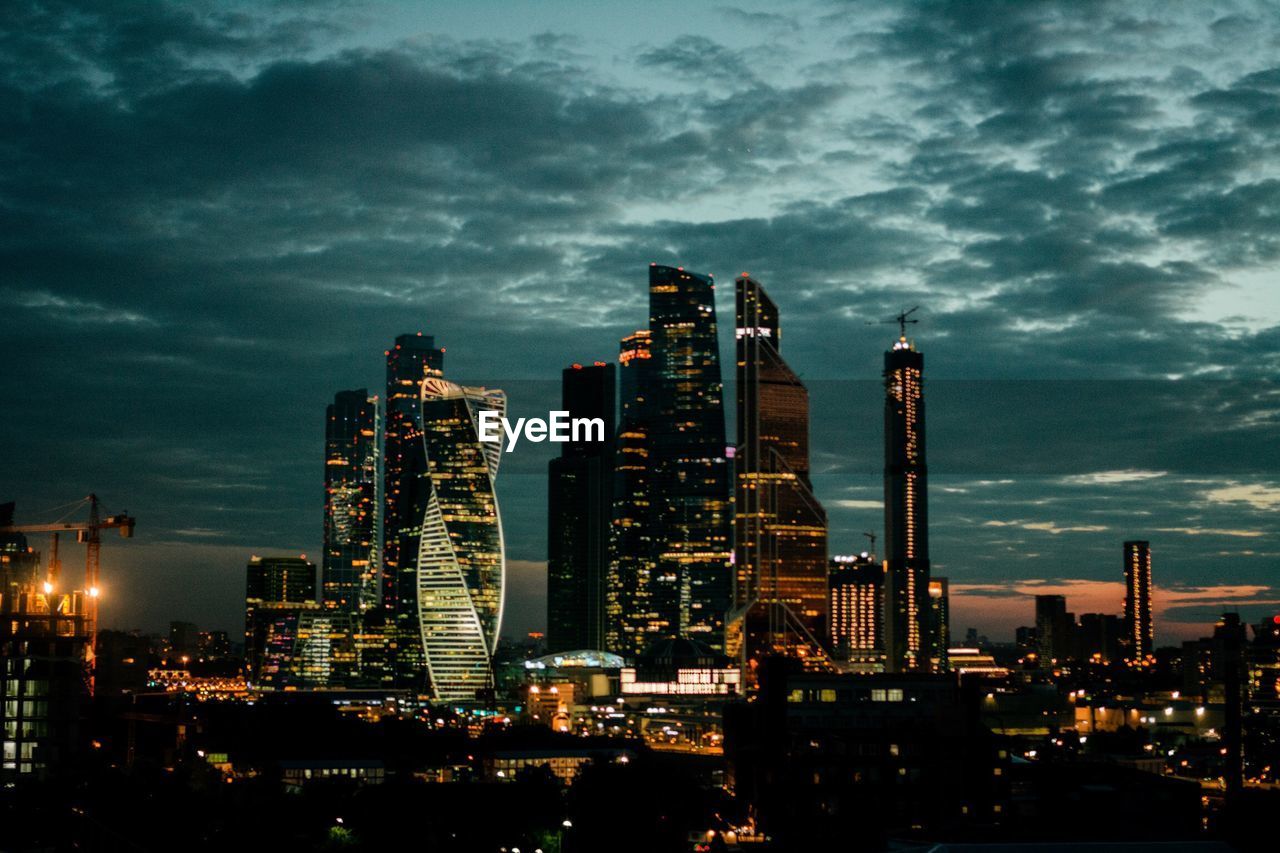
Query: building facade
(406, 489)
(460, 561)
(278, 591)
(780, 528)
(631, 621)
(856, 610)
(352, 562)
(906, 516)
(1138, 628)
(689, 488)
(579, 509)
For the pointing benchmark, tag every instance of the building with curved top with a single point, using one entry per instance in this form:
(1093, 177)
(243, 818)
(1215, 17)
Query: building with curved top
(461, 562)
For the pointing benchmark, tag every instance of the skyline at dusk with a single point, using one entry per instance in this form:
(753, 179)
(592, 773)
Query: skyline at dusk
(216, 219)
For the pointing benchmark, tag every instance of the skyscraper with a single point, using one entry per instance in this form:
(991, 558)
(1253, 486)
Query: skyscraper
(460, 562)
(352, 559)
(939, 625)
(690, 480)
(856, 609)
(579, 502)
(406, 489)
(631, 622)
(1054, 628)
(278, 590)
(1138, 629)
(780, 555)
(906, 518)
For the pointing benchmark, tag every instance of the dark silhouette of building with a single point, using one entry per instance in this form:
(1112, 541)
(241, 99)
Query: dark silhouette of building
(906, 517)
(631, 621)
(580, 506)
(780, 541)
(939, 624)
(406, 490)
(352, 562)
(681, 499)
(1098, 638)
(1138, 628)
(1053, 630)
(278, 590)
(823, 756)
(855, 615)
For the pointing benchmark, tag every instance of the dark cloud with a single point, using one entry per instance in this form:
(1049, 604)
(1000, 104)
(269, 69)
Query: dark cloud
(213, 217)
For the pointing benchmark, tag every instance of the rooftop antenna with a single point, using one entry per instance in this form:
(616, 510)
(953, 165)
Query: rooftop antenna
(901, 319)
(872, 537)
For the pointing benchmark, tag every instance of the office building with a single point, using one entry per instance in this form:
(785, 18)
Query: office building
(460, 563)
(939, 624)
(1054, 630)
(780, 528)
(856, 609)
(278, 590)
(352, 561)
(579, 510)
(670, 551)
(44, 644)
(690, 481)
(406, 489)
(906, 517)
(1138, 629)
(631, 622)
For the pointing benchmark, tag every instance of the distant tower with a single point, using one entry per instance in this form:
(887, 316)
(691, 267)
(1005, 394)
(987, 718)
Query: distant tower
(780, 535)
(939, 625)
(856, 610)
(690, 474)
(1053, 630)
(631, 622)
(406, 489)
(352, 566)
(906, 518)
(579, 507)
(1138, 628)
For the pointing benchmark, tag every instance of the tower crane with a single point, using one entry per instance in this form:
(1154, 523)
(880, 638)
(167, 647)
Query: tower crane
(88, 533)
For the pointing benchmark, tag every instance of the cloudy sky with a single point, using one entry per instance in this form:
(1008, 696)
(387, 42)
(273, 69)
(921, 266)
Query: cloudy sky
(212, 218)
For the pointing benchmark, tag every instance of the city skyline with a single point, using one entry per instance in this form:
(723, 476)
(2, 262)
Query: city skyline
(1076, 240)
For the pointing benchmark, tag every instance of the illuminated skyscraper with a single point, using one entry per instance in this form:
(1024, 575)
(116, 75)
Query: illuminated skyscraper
(690, 480)
(780, 556)
(405, 492)
(580, 498)
(1138, 629)
(631, 623)
(278, 590)
(906, 518)
(352, 511)
(856, 609)
(460, 561)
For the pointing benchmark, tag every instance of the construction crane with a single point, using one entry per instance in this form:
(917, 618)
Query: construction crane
(901, 319)
(88, 533)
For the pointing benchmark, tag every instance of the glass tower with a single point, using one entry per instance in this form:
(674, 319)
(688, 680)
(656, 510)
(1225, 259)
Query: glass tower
(689, 488)
(630, 619)
(460, 565)
(906, 521)
(579, 501)
(412, 359)
(352, 511)
(780, 556)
